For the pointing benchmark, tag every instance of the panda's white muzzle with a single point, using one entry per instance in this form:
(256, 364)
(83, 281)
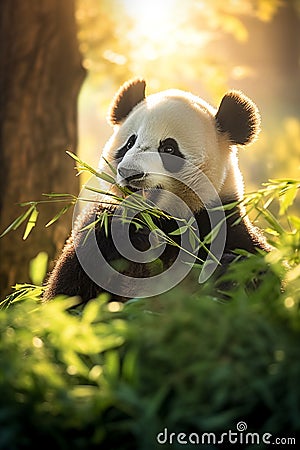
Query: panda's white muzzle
(140, 169)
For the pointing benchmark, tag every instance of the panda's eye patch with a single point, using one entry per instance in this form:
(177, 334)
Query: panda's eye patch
(169, 146)
(131, 141)
(167, 149)
(129, 144)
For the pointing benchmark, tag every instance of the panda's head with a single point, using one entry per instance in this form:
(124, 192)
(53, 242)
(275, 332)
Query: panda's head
(171, 139)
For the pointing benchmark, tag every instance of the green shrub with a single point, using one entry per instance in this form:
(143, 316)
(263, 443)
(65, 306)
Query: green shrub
(113, 376)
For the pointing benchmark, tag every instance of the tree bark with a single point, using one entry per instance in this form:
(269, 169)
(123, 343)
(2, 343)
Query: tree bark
(40, 78)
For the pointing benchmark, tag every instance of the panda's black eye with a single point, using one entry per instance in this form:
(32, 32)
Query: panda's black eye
(171, 156)
(131, 141)
(169, 146)
(129, 144)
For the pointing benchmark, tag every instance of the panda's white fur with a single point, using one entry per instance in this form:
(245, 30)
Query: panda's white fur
(205, 141)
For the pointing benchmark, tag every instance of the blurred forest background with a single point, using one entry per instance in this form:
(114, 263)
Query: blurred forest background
(205, 47)
(63, 62)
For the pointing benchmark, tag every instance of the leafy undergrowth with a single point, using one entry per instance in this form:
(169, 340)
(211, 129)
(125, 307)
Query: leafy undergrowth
(114, 376)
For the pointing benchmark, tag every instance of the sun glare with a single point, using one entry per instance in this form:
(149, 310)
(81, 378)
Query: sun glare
(154, 23)
(153, 17)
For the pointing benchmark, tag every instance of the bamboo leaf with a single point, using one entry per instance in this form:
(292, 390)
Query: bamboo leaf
(192, 240)
(31, 203)
(105, 177)
(86, 167)
(102, 192)
(226, 207)
(148, 219)
(211, 236)
(55, 195)
(271, 220)
(38, 268)
(137, 225)
(92, 224)
(76, 158)
(295, 221)
(59, 214)
(287, 199)
(179, 231)
(112, 362)
(114, 171)
(271, 232)
(31, 223)
(18, 221)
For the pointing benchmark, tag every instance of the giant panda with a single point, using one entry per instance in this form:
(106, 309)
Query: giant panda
(177, 150)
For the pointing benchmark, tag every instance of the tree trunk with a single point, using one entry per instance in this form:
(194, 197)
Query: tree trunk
(40, 78)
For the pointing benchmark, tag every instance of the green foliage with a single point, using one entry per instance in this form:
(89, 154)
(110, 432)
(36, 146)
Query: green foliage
(194, 360)
(114, 376)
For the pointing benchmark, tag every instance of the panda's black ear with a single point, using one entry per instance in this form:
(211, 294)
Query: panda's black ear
(238, 116)
(127, 97)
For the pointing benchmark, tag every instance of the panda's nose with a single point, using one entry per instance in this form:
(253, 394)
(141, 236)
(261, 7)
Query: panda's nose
(130, 174)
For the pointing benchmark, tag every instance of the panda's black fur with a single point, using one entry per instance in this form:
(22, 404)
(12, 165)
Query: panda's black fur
(237, 122)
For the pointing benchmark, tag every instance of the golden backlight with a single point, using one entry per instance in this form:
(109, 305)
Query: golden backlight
(157, 27)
